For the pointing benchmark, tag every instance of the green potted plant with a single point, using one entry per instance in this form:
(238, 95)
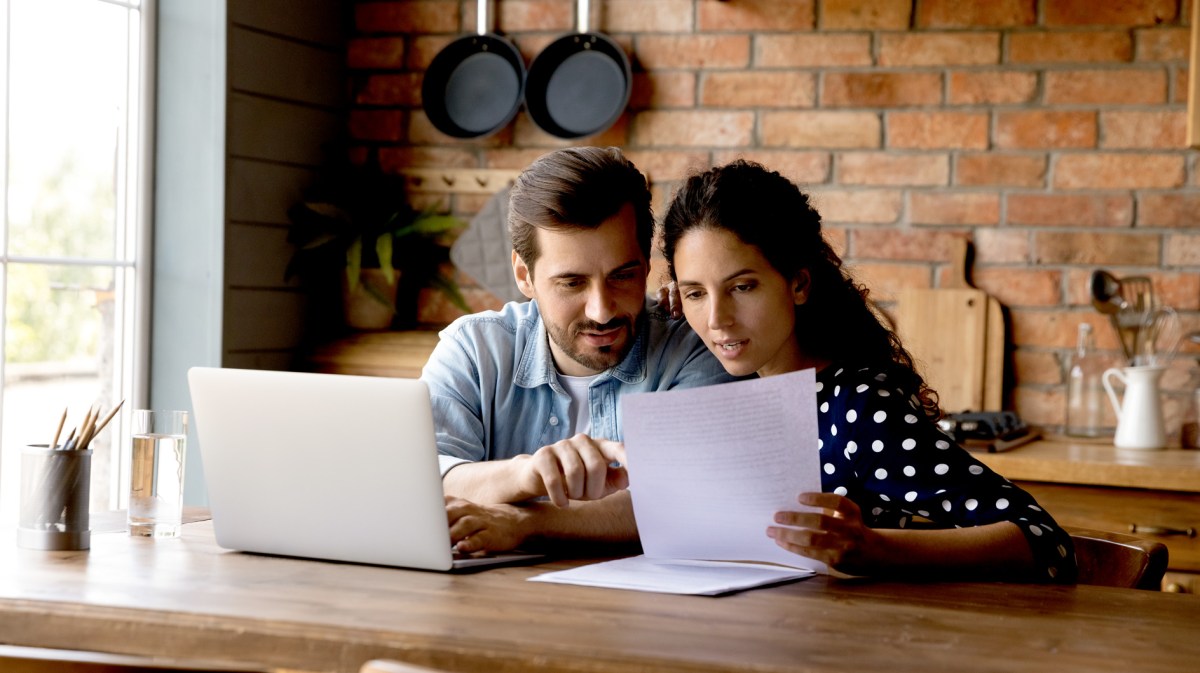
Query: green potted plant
(356, 231)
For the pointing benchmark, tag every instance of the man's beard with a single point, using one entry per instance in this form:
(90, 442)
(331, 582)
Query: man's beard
(606, 357)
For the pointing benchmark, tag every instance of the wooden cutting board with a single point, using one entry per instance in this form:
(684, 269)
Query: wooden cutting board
(956, 335)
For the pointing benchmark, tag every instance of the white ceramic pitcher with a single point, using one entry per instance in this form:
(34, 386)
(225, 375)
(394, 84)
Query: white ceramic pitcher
(1140, 415)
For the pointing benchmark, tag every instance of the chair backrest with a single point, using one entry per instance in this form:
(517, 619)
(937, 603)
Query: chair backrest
(1118, 560)
(392, 666)
(16, 659)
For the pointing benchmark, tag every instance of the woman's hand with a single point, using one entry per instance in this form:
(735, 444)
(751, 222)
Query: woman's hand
(668, 300)
(835, 536)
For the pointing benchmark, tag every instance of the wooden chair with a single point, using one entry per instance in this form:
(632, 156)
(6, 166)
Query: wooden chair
(1118, 560)
(15, 659)
(391, 666)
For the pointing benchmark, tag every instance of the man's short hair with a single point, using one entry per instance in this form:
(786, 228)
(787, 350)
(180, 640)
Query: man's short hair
(576, 188)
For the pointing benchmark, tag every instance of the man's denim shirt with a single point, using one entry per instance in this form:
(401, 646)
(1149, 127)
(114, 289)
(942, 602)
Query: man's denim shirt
(496, 394)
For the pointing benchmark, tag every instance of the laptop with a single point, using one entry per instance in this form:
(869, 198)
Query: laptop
(324, 466)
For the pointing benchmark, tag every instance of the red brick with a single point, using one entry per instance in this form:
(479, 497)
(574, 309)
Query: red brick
(525, 132)
(395, 159)
(868, 14)
(1118, 171)
(924, 245)
(877, 89)
(1182, 250)
(1092, 87)
(657, 52)
(378, 52)
(914, 49)
(423, 48)
(1070, 47)
(514, 16)
(532, 44)
(1058, 329)
(401, 89)
(889, 168)
(836, 237)
(1035, 129)
(1001, 246)
(693, 129)
(1070, 210)
(422, 132)
(414, 16)
(954, 208)
(1157, 129)
(1181, 86)
(1021, 287)
(1000, 170)
(865, 206)
(1039, 406)
(1125, 13)
(803, 168)
(1037, 367)
(1162, 44)
(511, 157)
(638, 16)
(434, 308)
(802, 50)
(1178, 210)
(662, 89)
(1180, 291)
(757, 15)
(820, 129)
(935, 130)
(376, 124)
(1095, 248)
(973, 87)
(763, 89)
(960, 14)
(668, 165)
(885, 280)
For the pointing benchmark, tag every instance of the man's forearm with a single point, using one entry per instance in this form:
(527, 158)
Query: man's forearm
(609, 519)
(487, 483)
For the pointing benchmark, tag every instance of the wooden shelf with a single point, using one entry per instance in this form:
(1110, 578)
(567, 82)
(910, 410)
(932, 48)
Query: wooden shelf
(397, 354)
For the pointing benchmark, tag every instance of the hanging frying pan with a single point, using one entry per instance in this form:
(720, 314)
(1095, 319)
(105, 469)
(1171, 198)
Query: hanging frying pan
(579, 85)
(473, 87)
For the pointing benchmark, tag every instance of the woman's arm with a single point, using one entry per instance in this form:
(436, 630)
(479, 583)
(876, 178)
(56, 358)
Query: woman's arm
(837, 536)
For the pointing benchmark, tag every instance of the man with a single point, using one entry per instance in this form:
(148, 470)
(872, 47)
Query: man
(525, 399)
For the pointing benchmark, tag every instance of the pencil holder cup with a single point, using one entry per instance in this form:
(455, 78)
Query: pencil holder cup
(54, 498)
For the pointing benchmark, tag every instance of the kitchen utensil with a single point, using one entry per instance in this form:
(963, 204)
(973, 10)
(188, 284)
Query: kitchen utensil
(578, 85)
(1158, 326)
(1106, 292)
(1140, 422)
(956, 335)
(1138, 292)
(474, 86)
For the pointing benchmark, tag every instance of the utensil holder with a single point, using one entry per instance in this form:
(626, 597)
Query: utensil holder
(55, 485)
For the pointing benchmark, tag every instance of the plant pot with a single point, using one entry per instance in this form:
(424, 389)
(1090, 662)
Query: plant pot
(371, 305)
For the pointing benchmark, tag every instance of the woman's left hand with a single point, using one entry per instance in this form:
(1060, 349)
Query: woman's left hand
(835, 536)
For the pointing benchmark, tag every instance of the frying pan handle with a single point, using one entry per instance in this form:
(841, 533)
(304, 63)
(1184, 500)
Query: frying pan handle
(481, 17)
(584, 15)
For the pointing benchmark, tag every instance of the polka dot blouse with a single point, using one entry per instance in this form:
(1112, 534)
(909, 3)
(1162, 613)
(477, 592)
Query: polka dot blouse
(879, 450)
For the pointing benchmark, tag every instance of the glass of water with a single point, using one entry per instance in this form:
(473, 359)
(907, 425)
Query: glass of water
(156, 473)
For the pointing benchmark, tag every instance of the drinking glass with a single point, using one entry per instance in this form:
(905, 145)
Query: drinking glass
(156, 474)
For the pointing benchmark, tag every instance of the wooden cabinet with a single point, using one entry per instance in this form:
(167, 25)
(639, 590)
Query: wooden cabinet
(1151, 494)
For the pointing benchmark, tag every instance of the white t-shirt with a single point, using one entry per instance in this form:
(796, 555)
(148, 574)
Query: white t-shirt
(581, 410)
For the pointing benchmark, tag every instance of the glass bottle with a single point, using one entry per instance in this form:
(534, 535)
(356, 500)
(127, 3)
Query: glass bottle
(1085, 392)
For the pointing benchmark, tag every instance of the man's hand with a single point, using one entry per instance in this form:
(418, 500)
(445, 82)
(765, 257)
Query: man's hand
(578, 468)
(478, 528)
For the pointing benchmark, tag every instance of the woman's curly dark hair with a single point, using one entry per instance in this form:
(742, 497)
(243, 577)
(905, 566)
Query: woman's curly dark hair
(764, 209)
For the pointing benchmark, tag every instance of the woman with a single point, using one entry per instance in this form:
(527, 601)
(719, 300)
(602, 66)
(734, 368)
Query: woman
(765, 291)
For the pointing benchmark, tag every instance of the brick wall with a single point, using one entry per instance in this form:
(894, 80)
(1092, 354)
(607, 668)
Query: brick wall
(1049, 132)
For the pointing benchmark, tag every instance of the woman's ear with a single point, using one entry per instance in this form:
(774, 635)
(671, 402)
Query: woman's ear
(523, 275)
(801, 287)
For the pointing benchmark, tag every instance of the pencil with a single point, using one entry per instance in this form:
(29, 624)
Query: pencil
(58, 430)
(104, 422)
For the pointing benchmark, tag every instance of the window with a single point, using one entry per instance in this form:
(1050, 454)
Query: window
(70, 273)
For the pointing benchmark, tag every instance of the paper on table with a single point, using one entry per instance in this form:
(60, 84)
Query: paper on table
(708, 469)
(704, 578)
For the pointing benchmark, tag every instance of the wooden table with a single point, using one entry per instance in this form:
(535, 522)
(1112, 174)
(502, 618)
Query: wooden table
(188, 598)
(1092, 484)
(400, 354)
